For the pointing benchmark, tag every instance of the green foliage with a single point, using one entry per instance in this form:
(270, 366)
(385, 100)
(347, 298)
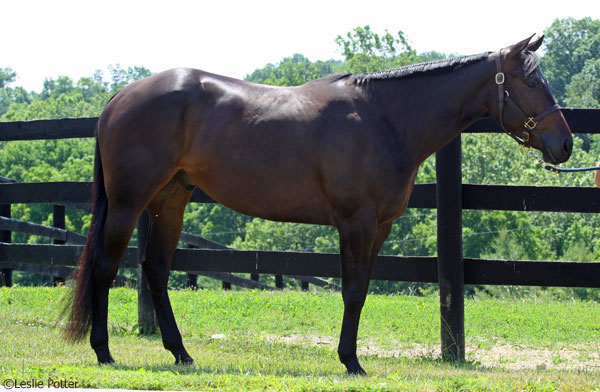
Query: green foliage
(363, 50)
(570, 44)
(47, 160)
(62, 98)
(9, 95)
(54, 160)
(7, 76)
(121, 77)
(292, 71)
(367, 51)
(584, 89)
(215, 222)
(268, 235)
(70, 104)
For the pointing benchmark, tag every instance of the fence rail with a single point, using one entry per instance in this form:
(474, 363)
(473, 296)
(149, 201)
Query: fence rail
(580, 121)
(326, 265)
(474, 196)
(56, 265)
(445, 269)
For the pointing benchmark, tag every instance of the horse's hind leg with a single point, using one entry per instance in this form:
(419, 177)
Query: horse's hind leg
(124, 209)
(166, 220)
(118, 228)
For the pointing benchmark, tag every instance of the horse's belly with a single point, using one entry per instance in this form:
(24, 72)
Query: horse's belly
(286, 197)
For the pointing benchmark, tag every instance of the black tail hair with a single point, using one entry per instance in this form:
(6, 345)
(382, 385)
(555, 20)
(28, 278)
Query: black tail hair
(78, 304)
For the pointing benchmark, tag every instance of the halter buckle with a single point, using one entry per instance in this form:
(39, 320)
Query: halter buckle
(500, 78)
(530, 123)
(526, 138)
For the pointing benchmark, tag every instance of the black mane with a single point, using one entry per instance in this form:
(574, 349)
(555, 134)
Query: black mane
(430, 67)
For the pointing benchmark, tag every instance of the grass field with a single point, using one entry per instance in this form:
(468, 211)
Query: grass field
(286, 341)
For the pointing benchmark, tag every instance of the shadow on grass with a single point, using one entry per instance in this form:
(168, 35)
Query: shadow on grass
(256, 358)
(373, 362)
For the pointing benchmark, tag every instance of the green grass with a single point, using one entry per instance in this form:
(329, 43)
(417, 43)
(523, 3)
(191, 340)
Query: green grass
(286, 342)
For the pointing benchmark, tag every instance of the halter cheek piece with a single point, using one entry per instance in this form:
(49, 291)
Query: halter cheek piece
(504, 97)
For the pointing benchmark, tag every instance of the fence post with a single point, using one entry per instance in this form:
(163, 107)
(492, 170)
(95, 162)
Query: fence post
(449, 246)
(304, 285)
(192, 279)
(279, 281)
(58, 221)
(5, 236)
(146, 316)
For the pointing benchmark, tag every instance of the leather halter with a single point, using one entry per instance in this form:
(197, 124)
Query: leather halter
(504, 97)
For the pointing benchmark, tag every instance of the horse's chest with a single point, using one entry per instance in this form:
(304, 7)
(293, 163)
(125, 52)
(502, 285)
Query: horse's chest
(394, 194)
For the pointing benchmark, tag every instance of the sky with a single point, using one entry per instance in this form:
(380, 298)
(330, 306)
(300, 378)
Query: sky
(47, 39)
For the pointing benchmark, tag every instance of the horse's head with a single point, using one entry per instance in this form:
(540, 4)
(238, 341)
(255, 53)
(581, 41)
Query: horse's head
(525, 107)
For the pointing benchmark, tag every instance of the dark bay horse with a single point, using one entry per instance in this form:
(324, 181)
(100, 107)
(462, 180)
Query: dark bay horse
(343, 150)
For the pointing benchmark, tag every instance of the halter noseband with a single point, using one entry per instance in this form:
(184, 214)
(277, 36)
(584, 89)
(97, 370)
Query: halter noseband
(504, 97)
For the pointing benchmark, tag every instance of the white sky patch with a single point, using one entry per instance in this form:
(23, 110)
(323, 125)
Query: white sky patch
(43, 39)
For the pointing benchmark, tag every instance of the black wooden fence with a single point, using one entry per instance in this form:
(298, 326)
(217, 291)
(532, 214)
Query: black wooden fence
(449, 196)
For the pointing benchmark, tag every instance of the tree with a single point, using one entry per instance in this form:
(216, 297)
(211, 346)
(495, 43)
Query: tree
(363, 49)
(367, 51)
(53, 160)
(61, 97)
(7, 76)
(569, 44)
(584, 89)
(9, 95)
(122, 77)
(292, 71)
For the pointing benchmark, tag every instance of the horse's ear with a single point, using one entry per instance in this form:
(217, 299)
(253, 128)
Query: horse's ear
(516, 49)
(535, 45)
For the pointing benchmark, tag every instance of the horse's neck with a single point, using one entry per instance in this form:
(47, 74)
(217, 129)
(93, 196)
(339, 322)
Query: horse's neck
(429, 111)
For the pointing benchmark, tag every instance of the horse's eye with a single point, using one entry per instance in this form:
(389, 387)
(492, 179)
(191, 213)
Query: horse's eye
(531, 83)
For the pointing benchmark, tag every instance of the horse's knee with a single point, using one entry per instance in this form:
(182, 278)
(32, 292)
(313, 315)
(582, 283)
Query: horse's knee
(354, 298)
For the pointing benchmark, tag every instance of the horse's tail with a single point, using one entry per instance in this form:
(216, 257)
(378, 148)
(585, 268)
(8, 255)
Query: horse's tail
(78, 306)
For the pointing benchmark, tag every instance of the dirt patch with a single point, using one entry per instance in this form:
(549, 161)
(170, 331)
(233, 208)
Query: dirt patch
(515, 357)
(508, 356)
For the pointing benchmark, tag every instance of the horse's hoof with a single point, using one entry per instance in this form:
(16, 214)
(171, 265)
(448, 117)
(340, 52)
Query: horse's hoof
(103, 355)
(357, 371)
(106, 360)
(354, 368)
(189, 361)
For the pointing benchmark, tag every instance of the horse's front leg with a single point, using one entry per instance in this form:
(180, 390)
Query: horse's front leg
(360, 241)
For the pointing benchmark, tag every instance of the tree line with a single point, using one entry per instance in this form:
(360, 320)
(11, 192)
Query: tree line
(570, 61)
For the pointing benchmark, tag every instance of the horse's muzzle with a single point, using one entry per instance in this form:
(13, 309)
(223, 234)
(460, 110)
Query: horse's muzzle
(558, 153)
